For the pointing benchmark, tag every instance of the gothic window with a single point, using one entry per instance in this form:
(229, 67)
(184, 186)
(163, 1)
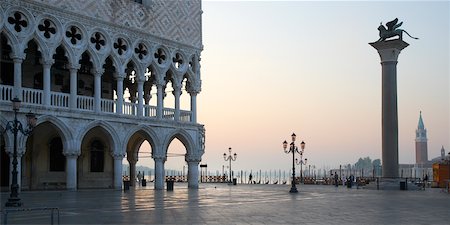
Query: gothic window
(97, 156)
(18, 21)
(57, 159)
(47, 28)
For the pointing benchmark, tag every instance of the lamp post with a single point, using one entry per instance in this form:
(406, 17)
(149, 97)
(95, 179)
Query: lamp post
(293, 149)
(15, 126)
(229, 158)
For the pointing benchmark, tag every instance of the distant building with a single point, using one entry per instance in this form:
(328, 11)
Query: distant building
(421, 142)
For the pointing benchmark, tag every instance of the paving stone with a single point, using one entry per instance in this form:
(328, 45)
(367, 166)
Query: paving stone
(241, 204)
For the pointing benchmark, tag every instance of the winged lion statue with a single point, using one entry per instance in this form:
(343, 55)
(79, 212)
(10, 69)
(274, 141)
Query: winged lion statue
(392, 30)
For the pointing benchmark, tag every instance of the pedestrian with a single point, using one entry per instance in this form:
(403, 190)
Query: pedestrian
(336, 177)
(425, 181)
(250, 178)
(139, 177)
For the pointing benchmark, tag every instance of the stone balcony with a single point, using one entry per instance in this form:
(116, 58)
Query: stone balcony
(33, 99)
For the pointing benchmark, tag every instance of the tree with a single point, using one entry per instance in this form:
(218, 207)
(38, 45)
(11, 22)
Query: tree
(376, 163)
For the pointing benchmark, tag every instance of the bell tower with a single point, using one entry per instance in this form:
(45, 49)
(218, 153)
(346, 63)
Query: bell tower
(421, 142)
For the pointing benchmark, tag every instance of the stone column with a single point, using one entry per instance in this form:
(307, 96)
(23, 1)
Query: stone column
(193, 174)
(193, 107)
(73, 86)
(160, 102)
(118, 171)
(97, 91)
(132, 172)
(119, 105)
(159, 172)
(140, 89)
(47, 81)
(17, 92)
(71, 171)
(177, 94)
(389, 52)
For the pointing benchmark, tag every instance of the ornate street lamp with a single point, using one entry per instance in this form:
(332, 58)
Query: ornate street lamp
(293, 149)
(15, 126)
(230, 158)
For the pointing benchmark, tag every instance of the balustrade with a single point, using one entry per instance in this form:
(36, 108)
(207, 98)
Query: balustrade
(6, 93)
(149, 111)
(58, 99)
(85, 103)
(185, 116)
(108, 106)
(129, 108)
(32, 96)
(168, 113)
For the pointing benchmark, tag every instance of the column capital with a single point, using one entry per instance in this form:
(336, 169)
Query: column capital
(47, 62)
(389, 50)
(73, 66)
(17, 60)
(193, 158)
(159, 158)
(120, 75)
(118, 156)
(194, 88)
(71, 153)
(98, 72)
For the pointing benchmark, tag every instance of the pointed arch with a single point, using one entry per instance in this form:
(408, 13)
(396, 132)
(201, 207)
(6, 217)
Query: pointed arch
(150, 135)
(184, 137)
(61, 127)
(113, 137)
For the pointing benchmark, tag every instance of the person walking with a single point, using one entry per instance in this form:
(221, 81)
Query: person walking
(250, 178)
(336, 178)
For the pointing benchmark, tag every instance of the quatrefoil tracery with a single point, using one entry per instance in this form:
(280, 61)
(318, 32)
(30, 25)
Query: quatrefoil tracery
(98, 40)
(177, 60)
(141, 50)
(121, 46)
(48, 28)
(160, 55)
(73, 35)
(18, 22)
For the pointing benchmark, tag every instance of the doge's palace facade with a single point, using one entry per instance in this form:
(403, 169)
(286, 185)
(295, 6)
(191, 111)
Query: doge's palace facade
(97, 74)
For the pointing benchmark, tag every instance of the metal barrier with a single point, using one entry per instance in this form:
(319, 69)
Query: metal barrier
(6, 211)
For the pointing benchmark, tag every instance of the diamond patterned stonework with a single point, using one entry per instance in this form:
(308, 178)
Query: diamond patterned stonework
(178, 21)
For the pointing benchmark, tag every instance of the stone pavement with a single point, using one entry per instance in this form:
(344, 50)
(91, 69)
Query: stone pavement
(241, 204)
